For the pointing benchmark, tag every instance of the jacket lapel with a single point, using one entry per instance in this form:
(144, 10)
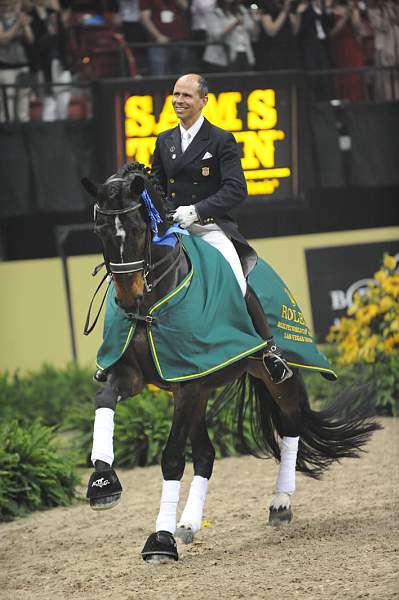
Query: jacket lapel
(198, 145)
(173, 149)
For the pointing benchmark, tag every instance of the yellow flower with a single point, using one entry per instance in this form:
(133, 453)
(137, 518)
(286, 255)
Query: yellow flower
(380, 276)
(389, 262)
(153, 388)
(349, 356)
(385, 304)
(390, 343)
(391, 285)
(367, 351)
(394, 324)
(366, 313)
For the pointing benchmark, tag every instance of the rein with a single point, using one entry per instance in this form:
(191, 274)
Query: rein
(144, 265)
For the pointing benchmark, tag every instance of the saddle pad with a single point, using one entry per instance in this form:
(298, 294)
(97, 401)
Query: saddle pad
(203, 325)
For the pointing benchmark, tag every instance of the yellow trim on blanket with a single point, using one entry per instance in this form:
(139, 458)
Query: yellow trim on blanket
(314, 368)
(216, 367)
(194, 375)
(157, 305)
(171, 294)
(127, 342)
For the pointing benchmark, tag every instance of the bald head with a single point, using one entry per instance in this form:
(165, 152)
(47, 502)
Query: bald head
(198, 80)
(190, 96)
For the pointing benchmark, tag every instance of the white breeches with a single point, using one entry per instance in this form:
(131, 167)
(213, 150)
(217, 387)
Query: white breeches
(218, 239)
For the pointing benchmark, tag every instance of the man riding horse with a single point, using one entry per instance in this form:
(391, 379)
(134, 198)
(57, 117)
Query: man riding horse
(199, 168)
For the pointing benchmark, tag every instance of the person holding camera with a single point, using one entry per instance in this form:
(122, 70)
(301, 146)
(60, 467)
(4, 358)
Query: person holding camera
(231, 30)
(277, 44)
(316, 20)
(15, 36)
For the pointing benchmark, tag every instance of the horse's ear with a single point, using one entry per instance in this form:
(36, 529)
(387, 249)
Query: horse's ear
(90, 187)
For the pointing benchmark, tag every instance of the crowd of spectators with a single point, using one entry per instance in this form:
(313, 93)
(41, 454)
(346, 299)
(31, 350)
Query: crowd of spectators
(174, 36)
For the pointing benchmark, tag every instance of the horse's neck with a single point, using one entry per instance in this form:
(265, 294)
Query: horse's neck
(172, 279)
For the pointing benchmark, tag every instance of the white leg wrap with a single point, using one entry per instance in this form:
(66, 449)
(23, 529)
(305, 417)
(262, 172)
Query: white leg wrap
(286, 475)
(103, 436)
(166, 520)
(192, 513)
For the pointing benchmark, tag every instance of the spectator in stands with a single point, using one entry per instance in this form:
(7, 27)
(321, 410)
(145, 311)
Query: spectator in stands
(277, 45)
(133, 31)
(15, 35)
(231, 24)
(315, 23)
(367, 37)
(166, 23)
(199, 10)
(346, 50)
(384, 18)
(48, 57)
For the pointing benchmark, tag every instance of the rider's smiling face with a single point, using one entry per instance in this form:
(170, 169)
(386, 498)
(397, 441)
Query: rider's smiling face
(187, 101)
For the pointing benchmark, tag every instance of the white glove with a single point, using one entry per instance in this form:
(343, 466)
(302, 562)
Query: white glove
(185, 216)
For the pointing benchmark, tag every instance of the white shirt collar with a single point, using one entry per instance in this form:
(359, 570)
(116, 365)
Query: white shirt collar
(194, 129)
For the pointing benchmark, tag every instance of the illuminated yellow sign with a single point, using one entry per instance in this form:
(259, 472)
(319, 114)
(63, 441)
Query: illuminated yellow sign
(257, 136)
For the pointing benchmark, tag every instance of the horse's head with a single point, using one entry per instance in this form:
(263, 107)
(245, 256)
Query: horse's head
(122, 222)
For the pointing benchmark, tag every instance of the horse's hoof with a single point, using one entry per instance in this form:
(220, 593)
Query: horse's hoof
(158, 559)
(159, 548)
(104, 490)
(105, 503)
(185, 533)
(280, 516)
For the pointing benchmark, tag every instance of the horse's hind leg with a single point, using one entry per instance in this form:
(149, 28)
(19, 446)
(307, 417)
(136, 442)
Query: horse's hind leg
(284, 402)
(288, 402)
(280, 512)
(203, 458)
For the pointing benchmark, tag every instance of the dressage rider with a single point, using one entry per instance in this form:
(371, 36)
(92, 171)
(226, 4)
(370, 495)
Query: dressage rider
(199, 167)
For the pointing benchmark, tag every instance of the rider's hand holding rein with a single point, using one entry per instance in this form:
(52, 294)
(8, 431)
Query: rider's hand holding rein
(185, 216)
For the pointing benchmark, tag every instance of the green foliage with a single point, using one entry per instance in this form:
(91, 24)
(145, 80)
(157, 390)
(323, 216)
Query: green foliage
(33, 475)
(51, 394)
(381, 379)
(142, 427)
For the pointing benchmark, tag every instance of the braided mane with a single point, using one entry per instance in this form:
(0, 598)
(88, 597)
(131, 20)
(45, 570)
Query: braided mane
(135, 167)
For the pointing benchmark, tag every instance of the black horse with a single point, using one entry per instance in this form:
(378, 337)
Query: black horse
(142, 273)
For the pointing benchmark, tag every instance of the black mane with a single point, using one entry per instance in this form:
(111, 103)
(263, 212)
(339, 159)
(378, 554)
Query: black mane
(135, 167)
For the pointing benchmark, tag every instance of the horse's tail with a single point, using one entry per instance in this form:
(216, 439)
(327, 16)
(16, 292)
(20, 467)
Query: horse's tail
(325, 436)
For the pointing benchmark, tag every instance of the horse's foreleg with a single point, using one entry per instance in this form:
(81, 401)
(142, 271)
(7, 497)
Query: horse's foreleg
(161, 545)
(203, 459)
(173, 458)
(280, 507)
(104, 488)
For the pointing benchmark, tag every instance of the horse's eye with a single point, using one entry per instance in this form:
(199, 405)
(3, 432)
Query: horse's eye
(100, 228)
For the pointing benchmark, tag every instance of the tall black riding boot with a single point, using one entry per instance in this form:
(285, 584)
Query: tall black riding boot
(273, 361)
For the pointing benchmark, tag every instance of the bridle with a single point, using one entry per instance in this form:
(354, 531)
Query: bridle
(145, 264)
(131, 267)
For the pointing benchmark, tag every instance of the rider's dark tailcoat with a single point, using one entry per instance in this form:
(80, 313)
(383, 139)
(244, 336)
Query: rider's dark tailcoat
(209, 175)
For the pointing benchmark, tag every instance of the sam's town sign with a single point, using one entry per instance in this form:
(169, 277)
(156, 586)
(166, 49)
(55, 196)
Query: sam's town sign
(253, 119)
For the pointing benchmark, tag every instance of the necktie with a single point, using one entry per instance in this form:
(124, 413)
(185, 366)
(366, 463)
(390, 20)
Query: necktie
(185, 141)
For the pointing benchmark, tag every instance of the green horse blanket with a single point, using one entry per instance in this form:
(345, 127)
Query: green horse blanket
(203, 325)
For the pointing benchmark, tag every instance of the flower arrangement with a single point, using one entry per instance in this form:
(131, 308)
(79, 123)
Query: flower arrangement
(369, 333)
